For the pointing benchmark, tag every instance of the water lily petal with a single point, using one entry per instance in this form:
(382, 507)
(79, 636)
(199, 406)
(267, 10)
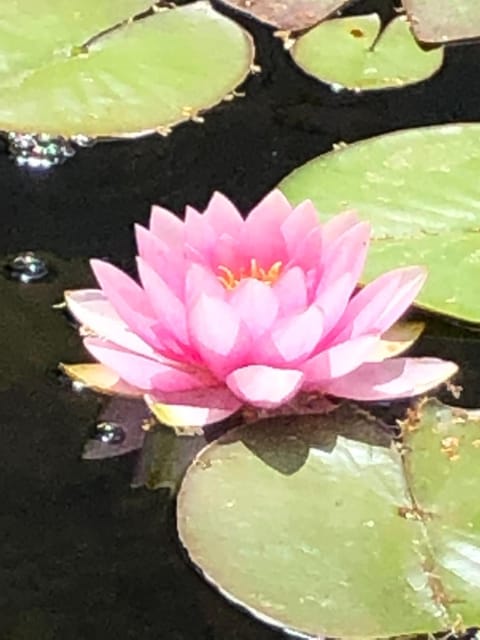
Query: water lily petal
(95, 313)
(338, 225)
(200, 280)
(167, 226)
(261, 238)
(256, 304)
(223, 216)
(338, 360)
(390, 379)
(218, 334)
(213, 397)
(264, 386)
(181, 415)
(163, 259)
(169, 309)
(142, 372)
(297, 336)
(299, 224)
(378, 305)
(291, 291)
(128, 299)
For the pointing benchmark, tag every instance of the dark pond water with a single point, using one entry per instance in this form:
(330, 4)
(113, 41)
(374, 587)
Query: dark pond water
(82, 554)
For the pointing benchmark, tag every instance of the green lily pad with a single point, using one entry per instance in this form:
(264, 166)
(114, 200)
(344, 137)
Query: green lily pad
(444, 20)
(419, 189)
(320, 525)
(68, 70)
(289, 15)
(351, 53)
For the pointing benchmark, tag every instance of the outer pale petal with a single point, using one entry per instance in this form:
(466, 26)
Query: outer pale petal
(338, 360)
(142, 372)
(92, 310)
(263, 386)
(378, 305)
(180, 415)
(218, 334)
(390, 379)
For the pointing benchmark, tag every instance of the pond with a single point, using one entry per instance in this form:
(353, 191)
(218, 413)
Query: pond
(84, 555)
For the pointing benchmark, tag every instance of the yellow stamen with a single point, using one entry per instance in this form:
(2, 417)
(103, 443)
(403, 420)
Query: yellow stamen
(230, 280)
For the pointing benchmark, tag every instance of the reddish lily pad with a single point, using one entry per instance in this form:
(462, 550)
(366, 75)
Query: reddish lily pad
(288, 15)
(323, 526)
(444, 20)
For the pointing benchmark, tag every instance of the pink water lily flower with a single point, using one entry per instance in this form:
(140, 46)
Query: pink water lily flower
(234, 312)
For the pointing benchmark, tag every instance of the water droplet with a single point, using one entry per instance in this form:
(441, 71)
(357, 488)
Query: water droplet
(27, 267)
(109, 433)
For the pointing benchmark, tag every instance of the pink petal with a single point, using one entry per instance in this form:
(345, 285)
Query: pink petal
(142, 372)
(200, 238)
(264, 386)
(223, 216)
(299, 224)
(341, 272)
(213, 397)
(92, 310)
(296, 337)
(128, 299)
(338, 360)
(307, 253)
(202, 280)
(338, 225)
(291, 291)
(261, 238)
(165, 260)
(390, 379)
(256, 304)
(169, 309)
(165, 225)
(378, 305)
(218, 334)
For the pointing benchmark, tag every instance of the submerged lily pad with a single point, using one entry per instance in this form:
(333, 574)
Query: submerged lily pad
(444, 20)
(65, 70)
(351, 53)
(290, 15)
(419, 189)
(319, 525)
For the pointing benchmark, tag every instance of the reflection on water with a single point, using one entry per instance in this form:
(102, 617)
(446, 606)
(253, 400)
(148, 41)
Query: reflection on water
(84, 554)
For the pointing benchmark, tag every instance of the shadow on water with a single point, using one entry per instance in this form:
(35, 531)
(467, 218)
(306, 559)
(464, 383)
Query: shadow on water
(82, 554)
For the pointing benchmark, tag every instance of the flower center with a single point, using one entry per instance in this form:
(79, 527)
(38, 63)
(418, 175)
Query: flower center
(230, 280)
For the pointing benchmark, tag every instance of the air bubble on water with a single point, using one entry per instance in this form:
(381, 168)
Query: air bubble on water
(43, 151)
(27, 267)
(109, 433)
